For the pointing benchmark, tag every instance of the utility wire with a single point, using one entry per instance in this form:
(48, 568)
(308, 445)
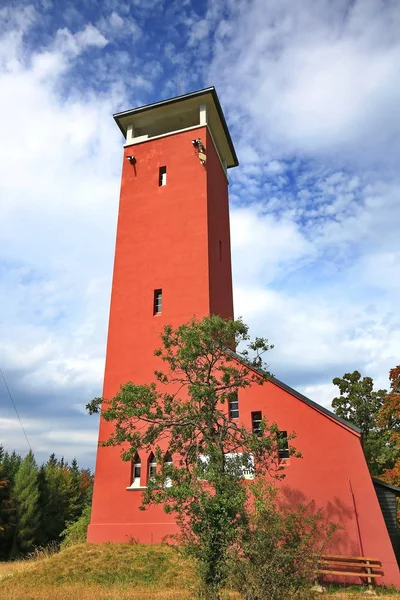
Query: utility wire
(15, 408)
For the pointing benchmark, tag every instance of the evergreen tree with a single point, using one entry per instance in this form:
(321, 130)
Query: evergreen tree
(11, 463)
(47, 499)
(26, 497)
(54, 500)
(5, 507)
(8, 467)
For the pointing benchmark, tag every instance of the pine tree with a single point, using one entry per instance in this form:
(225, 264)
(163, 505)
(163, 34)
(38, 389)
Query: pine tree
(8, 467)
(76, 500)
(26, 497)
(11, 463)
(5, 508)
(54, 499)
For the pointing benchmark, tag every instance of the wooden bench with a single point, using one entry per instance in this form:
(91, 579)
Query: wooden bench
(351, 566)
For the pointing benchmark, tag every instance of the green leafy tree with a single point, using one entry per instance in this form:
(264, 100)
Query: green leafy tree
(26, 497)
(184, 416)
(360, 404)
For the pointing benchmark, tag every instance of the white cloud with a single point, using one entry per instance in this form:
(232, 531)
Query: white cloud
(59, 178)
(262, 245)
(115, 26)
(314, 80)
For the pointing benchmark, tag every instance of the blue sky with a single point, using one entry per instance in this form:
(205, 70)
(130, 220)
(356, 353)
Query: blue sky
(311, 93)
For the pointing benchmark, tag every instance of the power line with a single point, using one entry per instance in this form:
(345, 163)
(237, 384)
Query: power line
(15, 408)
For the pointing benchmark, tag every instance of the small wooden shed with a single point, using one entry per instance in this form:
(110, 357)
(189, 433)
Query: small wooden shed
(387, 495)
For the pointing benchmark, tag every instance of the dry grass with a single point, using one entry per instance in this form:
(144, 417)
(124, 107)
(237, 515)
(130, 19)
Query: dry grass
(10, 568)
(113, 572)
(353, 595)
(91, 571)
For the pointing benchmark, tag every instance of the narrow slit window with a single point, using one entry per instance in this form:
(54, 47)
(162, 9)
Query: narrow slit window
(162, 176)
(168, 463)
(256, 419)
(157, 308)
(234, 406)
(220, 250)
(283, 444)
(136, 471)
(152, 466)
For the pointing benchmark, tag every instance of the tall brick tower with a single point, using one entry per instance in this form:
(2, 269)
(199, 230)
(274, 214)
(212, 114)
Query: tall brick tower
(172, 261)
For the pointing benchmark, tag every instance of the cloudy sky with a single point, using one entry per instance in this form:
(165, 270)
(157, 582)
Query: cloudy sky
(311, 93)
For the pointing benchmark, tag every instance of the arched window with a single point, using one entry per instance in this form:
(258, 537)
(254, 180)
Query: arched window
(136, 471)
(168, 463)
(152, 466)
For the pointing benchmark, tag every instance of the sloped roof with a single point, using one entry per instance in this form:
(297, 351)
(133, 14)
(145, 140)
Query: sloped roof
(394, 488)
(297, 394)
(313, 404)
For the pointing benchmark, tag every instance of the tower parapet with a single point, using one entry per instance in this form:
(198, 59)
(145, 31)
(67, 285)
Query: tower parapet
(177, 115)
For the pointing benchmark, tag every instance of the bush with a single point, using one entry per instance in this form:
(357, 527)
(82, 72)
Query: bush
(75, 531)
(277, 554)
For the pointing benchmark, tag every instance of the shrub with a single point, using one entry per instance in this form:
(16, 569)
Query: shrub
(277, 554)
(75, 531)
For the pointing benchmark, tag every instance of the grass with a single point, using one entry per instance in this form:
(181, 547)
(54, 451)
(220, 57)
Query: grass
(115, 572)
(91, 571)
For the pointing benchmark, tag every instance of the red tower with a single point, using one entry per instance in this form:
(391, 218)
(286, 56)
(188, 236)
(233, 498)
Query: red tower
(172, 261)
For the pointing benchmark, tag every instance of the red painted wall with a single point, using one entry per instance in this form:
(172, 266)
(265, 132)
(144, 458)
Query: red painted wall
(169, 237)
(333, 472)
(219, 244)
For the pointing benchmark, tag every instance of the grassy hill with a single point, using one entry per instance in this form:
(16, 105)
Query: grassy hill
(113, 572)
(91, 571)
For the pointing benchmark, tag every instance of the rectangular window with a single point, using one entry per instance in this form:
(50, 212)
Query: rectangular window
(256, 418)
(157, 308)
(162, 176)
(234, 407)
(283, 444)
(220, 250)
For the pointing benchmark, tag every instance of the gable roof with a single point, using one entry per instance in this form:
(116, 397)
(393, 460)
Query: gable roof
(295, 393)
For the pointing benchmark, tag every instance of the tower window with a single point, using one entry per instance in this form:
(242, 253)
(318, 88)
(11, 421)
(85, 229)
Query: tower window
(157, 307)
(220, 250)
(283, 444)
(162, 176)
(234, 406)
(256, 418)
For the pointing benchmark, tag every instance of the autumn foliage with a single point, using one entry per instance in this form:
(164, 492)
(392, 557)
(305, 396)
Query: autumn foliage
(389, 417)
